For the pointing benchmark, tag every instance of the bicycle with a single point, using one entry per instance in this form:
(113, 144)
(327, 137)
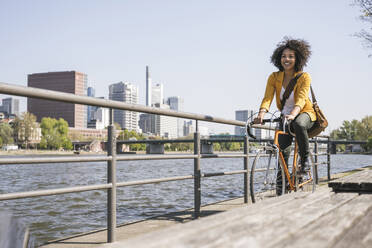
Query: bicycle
(266, 178)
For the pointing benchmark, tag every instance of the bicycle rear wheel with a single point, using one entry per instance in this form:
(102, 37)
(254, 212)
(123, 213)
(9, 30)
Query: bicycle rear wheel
(264, 177)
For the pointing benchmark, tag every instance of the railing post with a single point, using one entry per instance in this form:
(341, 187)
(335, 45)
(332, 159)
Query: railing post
(316, 160)
(111, 178)
(246, 167)
(197, 175)
(329, 159)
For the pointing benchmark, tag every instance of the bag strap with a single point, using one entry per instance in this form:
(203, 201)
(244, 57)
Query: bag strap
(312, 94)
(289, 89)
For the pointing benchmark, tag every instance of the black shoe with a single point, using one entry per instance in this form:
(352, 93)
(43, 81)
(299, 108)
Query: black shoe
(305, 166)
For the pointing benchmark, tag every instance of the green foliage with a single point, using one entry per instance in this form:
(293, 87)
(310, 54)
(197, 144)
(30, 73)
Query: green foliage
(6, 134)
(117, 126)
(369, 144)
(355, 130)
(24, 127)
(54, 134)
(216, 146)
(132, 135)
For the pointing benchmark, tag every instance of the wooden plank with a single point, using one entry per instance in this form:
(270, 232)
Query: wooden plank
(360, 182)
(332, 227)
(358, 236)
(254, 226)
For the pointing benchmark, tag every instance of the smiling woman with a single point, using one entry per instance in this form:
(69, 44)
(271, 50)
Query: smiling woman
(290, 56)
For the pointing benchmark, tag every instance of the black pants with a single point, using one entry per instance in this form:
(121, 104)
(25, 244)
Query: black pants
(299, 126)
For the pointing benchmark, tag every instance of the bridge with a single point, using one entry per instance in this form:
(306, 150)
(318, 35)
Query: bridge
(156, 146)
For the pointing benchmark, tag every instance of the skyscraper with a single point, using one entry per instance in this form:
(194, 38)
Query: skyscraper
(128, 93)
(157, 94)
(91, 109)
(165, 126)
(10, 106)
(66, 81)
(242, 115)
(176, 103)
(148, 87)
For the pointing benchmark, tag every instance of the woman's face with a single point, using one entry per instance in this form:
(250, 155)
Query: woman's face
(288, 59)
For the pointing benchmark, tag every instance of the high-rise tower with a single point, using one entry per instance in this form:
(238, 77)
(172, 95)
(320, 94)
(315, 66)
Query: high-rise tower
(128, 93)
(148, 87)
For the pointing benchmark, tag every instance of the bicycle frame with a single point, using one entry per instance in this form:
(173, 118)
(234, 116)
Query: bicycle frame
(291, 179)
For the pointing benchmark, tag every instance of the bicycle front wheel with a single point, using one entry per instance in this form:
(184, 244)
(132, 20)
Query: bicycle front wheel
(264, 178)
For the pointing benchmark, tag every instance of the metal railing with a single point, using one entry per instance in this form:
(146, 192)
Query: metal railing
(112, 158)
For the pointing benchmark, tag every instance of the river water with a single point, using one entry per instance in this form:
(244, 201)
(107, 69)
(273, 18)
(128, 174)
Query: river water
(52, 217)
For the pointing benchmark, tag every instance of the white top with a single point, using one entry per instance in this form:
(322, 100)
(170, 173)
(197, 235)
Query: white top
(289, 104)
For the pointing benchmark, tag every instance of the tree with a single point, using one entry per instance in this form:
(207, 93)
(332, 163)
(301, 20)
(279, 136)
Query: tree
(132, 135)
(369, 144)
(365, 128)
(6, 134)
(349, 130)
(24, 127)
(366, 16)
(54, 134)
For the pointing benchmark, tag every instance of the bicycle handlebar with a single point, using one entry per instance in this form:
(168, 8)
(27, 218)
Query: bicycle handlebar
(249, 125)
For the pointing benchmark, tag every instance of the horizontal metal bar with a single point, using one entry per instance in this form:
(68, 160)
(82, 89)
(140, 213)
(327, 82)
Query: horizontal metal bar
(64, 159)
(215, 174)
(153, 157)
(321, 154)
(12, 196)
(149, 181)
(223, 155)
(263, 169)
(72, 98)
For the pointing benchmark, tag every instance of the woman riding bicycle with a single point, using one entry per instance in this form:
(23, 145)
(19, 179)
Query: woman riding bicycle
(290, 57)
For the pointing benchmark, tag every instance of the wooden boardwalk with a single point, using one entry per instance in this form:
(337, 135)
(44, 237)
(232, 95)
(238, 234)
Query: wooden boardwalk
(302, 219)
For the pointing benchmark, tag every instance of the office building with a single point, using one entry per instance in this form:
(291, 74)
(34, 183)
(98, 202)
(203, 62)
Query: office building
(242, 115)
(100, 118)
(145, 123)
(157, 94)
(91, 109)
(66, 81)
(10, 106)
(176, 103)
(128, 93)
(165, 126)
(188, 128)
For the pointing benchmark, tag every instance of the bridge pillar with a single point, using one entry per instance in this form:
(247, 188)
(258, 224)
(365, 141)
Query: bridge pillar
(333, 148)
(155, 148)
(206, 148)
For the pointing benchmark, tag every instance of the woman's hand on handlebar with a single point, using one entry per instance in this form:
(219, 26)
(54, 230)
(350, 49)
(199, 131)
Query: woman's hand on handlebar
(259, 118)
(290, 117)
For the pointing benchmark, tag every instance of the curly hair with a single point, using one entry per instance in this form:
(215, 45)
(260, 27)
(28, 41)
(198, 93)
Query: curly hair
(301, 49)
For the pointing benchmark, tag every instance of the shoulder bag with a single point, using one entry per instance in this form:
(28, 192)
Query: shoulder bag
(321, 122)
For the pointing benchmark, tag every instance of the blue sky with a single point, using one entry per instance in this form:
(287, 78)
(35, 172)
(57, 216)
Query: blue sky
(214, 54)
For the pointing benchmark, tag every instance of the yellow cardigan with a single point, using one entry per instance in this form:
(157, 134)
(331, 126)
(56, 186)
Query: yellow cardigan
(301, 93)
